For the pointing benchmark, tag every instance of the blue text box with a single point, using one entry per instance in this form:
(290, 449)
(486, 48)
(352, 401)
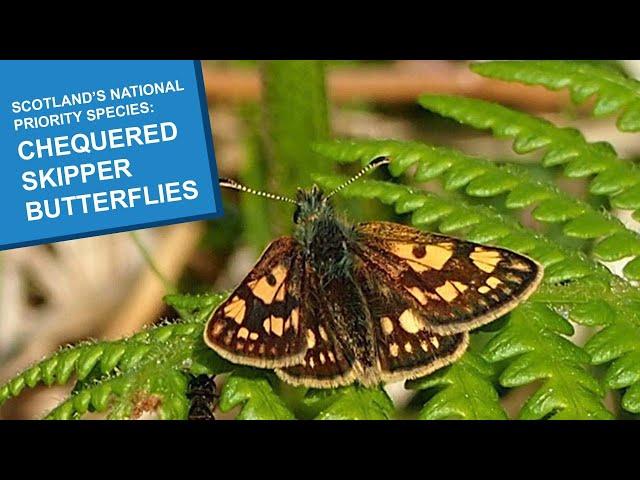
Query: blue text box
(95, 147)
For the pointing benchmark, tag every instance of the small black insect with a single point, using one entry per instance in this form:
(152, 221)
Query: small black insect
(203, 396)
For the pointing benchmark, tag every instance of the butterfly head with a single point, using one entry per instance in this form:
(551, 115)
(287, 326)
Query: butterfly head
(311, 205)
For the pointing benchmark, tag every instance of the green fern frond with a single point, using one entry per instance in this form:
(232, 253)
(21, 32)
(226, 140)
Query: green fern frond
(252, 390)
(463, 391)
(561, 264)
(613, 90)
(350, 403)
(95, 398)
(147, 363)
(615, 178)
(534, 342)
(482, 178)
(84, 359)
(618, 343)
(194, 308)
(163, 391)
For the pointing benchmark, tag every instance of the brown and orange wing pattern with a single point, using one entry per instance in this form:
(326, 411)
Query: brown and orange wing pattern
(406, 348)
(324, 364)
(260, 324)
(453, 285)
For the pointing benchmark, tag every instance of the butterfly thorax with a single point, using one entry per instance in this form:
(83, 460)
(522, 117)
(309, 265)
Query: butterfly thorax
(327, 246)
(323, 236)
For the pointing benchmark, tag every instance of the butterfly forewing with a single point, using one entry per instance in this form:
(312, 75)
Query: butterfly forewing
(260, 324)
(452, 285)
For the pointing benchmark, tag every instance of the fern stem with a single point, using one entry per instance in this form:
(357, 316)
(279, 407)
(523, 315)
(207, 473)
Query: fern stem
(295, 115)
(169, 287)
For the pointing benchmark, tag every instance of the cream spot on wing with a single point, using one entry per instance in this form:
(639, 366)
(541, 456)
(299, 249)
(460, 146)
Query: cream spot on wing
(236, 309)
(322, 358)
(267, 325)
(387, 325)
(461, 287)
(432, 296)
(417, 294)
(447, 291)
(424, 345)
(294, 319)
(251, 347)
(484, 267)
(323, 334)
(243, 333)
(403, 250)
(417, 266)
(311, 339)
(277, 324)
(485, 260)
(261, 349)
(332, 357)
(394, 350)
(253, 336)
(266, 288)
(484, 289)
(406, 251)
(423, 257)
(312, 362)
(217, 328)
(408, 348)
(520, 266)
(438, 255)
(493, 282)
(410, 322)
(510, 277)
(435, 342)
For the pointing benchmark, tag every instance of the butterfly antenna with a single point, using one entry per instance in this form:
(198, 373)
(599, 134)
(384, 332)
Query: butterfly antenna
(372, 165)
(232, 184)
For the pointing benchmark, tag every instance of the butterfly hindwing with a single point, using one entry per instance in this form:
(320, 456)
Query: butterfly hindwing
(260, 324)
(454, 285)
(405, 346)
(324, 364)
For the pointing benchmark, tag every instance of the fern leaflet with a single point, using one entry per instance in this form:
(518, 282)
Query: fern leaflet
(615, 91)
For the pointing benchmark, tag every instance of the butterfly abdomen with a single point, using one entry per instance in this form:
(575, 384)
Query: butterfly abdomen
(327, 246)
(351, 321)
